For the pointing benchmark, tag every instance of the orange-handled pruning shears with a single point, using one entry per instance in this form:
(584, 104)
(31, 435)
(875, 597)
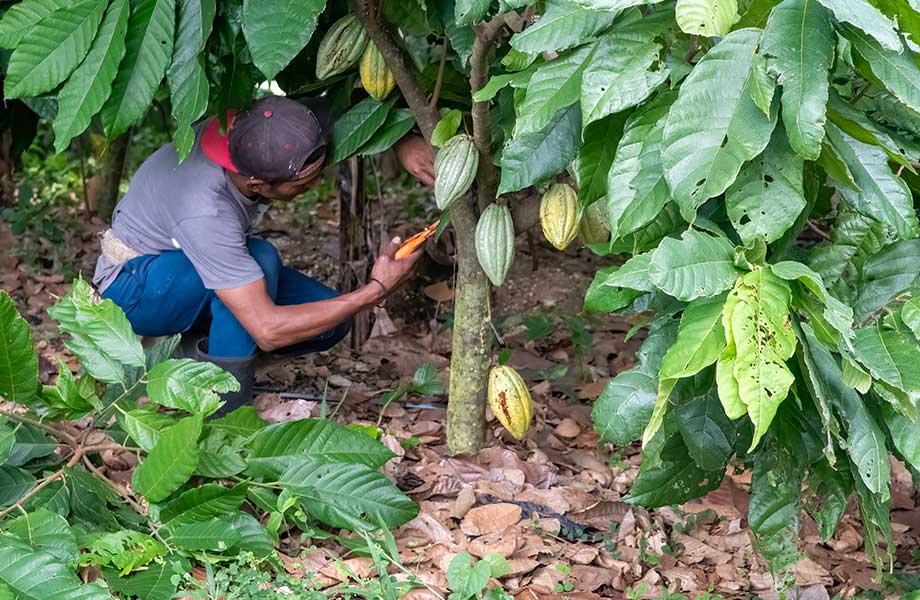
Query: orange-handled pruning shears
(412, 244)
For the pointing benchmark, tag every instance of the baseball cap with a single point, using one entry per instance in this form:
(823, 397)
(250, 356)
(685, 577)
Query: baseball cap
(276, 139)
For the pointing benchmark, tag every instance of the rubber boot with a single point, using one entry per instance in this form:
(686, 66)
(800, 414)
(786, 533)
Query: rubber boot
(243, 369)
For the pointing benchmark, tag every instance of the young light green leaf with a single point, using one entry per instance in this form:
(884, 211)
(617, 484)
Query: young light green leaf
(276, 30)
(148, 50)
(52, 49)
(709, 18)
(767, 197)
(188, 83)
(358, 125)
(171, 462)
(91, 83)
(446, 128)
(910, 314)
(854, 376)
(189, 385)
(714, 126)
(533, 157)
(861, 15)
(636, 188)
(465, 578)
(700, 340)
(554, 85)
(18, 360)
(698, 265)
(564, 24)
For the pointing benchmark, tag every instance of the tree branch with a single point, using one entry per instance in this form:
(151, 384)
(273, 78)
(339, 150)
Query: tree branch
(427, 117)
(57, 433)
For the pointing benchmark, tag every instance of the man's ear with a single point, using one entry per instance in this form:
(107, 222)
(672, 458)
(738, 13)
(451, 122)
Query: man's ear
(256, 186)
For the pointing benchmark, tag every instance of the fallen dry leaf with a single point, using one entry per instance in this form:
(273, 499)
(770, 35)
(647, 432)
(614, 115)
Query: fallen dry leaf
(490, 518)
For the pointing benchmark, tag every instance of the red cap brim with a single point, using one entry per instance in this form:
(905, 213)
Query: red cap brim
(216, 145)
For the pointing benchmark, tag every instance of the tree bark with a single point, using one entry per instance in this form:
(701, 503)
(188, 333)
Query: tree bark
(355, 249)
(113, 169)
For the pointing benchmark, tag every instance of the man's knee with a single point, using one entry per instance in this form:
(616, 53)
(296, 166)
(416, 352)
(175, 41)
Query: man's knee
(265, 253)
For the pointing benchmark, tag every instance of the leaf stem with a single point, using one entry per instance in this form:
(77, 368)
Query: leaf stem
(57, 433)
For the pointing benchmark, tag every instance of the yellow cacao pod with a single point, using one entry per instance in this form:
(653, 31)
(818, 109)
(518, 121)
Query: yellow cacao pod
(559, 215)
(510, 401)
(376, 77)
(592, 229)
(340, 48)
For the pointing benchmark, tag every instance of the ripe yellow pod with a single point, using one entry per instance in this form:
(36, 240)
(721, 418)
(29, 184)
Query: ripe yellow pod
(559, 215)
(510, 400)
(376, 77)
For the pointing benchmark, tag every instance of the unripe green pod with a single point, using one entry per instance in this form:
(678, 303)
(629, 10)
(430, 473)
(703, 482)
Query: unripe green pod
(340, 48)
(495, 242)
(454, 169)
(559, 215)
(592, 229)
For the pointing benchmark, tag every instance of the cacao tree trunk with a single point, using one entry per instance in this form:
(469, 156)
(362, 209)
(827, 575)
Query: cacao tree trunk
(355, 250)
(113, 169)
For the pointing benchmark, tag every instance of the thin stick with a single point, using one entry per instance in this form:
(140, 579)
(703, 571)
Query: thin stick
(61, 435)
(440, 79)
(45, 483)
(814, 228)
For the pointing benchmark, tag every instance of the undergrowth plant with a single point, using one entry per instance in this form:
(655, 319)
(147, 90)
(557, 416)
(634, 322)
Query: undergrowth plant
(202, 486)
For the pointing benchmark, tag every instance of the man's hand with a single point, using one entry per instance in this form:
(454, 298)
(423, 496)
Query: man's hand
(417, 157)
(392, 272)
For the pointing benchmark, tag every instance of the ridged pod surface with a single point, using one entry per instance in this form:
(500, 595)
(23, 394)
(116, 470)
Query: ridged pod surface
(495, 242)
(340, 48)
(592, 229)
(454, 169)
(376, 77)
(510, 400)
(559, 215)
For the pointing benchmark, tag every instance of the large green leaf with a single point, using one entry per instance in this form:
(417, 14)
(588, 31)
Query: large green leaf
(276, 30)
(253, 537)
(714, 126)
(101, 336)
(592, 164)
(530, 158)
(861, 15)
(554, 85)
(700, 340)
(358, 125)
(625, 406)
(775, 512)
(467, 12)
(148, 50)
(31, 443)
(48, 531)
(171, 462)
(276, 445)
(883, 195)
(858, 124)
(710, 18)
(188, 84)
(697, 265)
(347, 495)
(145, 426)
(214, 534)
(897, 71)
(37, 575)
(707, 432)
(636, 188)
(910, 314)
(829, 491)
(875, 514)
(633, 274)
(891, 356)
(855, 237)
(243, 422)
(624, 71)
(767, 197)
(603, 297)
(758, 316)
(14, 482)
(20, 18)
(18, 361)
(189, 385)
(564, 24)
(906, 13)
(674, 479)
(91, 83)
(886, 275)
(153, 583)
(865, 440)
(905, 434)
(398, 123)
(52, 49)
(203, 503)
(803, 63)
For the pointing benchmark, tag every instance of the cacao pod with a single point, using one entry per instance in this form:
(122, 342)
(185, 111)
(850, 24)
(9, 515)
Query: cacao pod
(340, 48)
(510, 400)
(559, 215)
(454, 169)
(592, 229)
(376, 77)
(495, 242)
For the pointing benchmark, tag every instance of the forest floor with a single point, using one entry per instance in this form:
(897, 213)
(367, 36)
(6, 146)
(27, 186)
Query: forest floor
(552, 504)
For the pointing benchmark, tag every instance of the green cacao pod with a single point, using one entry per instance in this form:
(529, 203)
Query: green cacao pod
(376, 77)
(510, 401)
(454, 169)
(495, 242)
(340, 48)
(559, 215)
(592, 229)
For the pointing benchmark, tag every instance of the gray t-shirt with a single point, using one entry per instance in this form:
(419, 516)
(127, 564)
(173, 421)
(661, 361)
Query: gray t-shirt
(192, 206)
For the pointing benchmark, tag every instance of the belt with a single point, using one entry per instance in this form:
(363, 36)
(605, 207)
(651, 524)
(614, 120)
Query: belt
(115, 250)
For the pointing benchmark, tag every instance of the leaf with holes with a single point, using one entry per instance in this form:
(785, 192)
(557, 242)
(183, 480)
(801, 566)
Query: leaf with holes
(697, 265)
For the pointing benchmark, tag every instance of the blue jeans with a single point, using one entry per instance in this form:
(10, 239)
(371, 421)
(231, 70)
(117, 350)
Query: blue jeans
(162, 294)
